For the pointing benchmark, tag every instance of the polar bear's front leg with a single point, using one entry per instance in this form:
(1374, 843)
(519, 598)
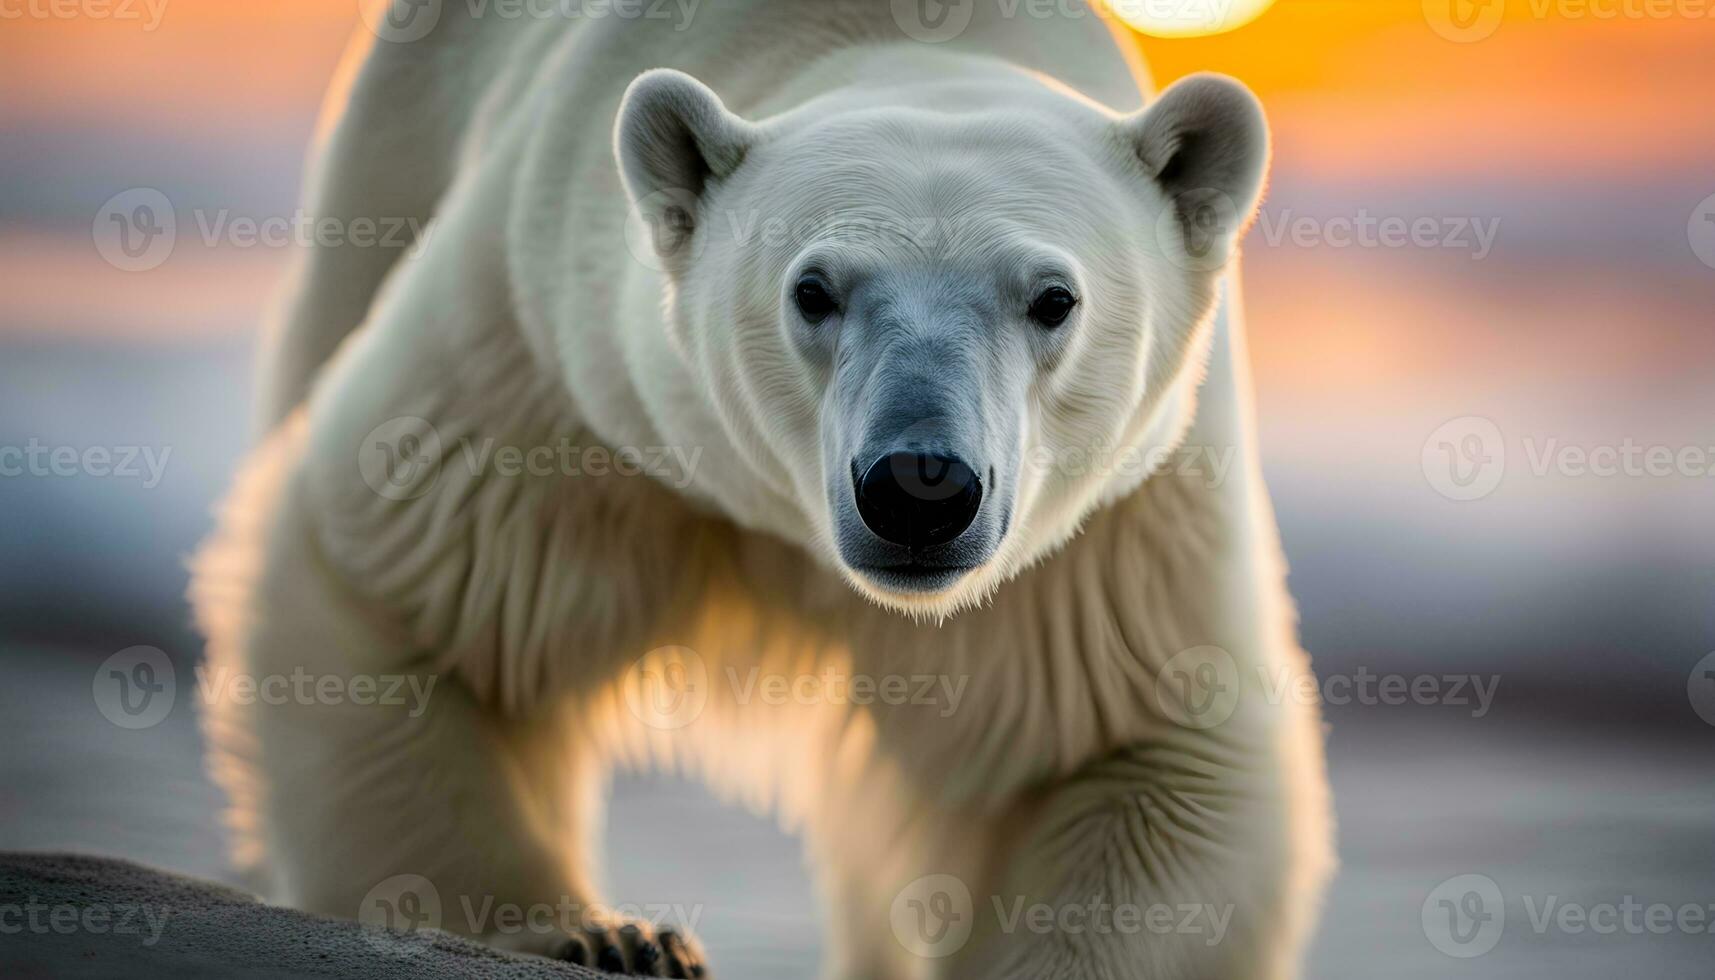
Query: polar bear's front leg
(1166, 861)
(367, 777)
(420, 782)
(487, 822)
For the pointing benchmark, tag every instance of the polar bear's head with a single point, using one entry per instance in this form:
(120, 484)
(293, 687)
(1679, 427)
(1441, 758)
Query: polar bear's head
(925, 330)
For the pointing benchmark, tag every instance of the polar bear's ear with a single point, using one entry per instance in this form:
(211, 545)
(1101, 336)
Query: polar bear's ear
(1205, 141)
(673, 137)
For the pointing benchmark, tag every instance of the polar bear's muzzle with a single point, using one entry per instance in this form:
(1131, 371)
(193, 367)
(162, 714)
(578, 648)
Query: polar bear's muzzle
(920, 507)
(921, 425)
(921, 523)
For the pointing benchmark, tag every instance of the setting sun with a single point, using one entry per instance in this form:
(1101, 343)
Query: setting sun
(1187, 18)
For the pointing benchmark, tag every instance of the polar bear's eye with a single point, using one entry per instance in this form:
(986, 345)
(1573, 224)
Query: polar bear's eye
(813, 299)
(1052, 306)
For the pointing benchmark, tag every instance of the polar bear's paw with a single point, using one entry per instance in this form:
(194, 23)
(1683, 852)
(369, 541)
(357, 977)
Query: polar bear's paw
(635, 949)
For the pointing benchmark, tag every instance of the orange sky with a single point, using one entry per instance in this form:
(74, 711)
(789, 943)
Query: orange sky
(1366, 83)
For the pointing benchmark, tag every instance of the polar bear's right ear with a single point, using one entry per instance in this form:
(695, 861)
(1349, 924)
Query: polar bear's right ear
(1205, 143)
(673, 138)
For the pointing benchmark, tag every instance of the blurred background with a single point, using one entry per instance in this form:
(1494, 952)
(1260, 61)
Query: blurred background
(1480, 296)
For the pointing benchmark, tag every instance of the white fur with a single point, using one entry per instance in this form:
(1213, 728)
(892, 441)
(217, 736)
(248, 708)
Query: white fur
(525, 319)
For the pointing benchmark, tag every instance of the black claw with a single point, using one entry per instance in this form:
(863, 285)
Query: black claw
(629, 951)
(631, 939)
(673, 949)
(611, 960)
(573, 950)
(686, 966)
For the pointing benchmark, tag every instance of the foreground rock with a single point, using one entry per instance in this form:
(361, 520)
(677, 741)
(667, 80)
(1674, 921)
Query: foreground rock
(82, 918)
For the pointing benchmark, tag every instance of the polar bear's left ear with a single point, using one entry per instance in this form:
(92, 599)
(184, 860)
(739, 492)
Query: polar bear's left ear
(673, 138)
(1205, 142)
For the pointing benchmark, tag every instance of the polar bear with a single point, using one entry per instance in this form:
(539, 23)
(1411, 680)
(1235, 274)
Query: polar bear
(942, 330)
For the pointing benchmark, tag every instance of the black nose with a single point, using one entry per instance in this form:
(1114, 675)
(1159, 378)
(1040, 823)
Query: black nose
(918, 500)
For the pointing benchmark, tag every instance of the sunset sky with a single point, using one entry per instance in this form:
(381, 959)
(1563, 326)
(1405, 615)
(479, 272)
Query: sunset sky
(1589, 140)
(1583, 144)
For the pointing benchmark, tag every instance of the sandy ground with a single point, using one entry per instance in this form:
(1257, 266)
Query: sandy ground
(1577, 818)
